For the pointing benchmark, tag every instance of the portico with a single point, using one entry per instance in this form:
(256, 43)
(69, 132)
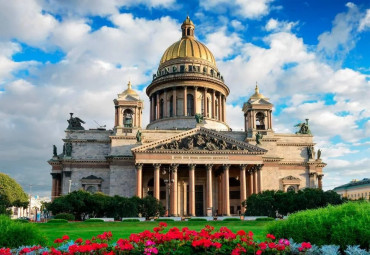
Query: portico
(202, 180)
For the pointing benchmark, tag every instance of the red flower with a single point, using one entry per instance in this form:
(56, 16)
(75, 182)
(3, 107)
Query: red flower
(259, 252)
(241, 233)
(65, 237)
(271, 245)
(79, 240)
(163, 224)
(272, 237)
(58, 240)
(263, 246)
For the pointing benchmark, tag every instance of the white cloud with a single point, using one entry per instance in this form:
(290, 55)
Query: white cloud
(365, 22)
(221, 44)
(342, 38)
(279, 26)
(101, 8)
(25, 21)
(251, 9)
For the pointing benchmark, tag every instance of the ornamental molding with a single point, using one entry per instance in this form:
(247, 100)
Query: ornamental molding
(121, 137)
(271, 159)
(85, 141)
(296, 144)
(199, 140)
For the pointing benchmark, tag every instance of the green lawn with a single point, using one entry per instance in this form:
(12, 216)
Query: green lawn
(123, 229)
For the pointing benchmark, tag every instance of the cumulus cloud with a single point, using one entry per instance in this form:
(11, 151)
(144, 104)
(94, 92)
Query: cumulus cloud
(100, 8)
(221, 44)
(279, 26)
(341, 39)
(25, 21)
(365, 22)
(251, 9)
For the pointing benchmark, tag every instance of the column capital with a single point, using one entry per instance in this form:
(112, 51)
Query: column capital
(209, 167)
(139, 166)
(174, 167)
(243, 166)
(192, 166)
(226, 166)
(157, 166)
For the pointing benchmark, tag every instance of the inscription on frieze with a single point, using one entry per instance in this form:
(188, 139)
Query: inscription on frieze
(201, 157)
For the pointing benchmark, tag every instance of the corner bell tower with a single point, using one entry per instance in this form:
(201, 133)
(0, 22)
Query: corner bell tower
(128, 111)
(257, 114)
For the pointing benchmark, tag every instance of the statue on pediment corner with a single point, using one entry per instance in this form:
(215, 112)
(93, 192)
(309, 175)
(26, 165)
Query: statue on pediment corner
(199, 118)
(303, 128)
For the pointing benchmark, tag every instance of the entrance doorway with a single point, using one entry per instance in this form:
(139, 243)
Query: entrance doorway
(199, 200)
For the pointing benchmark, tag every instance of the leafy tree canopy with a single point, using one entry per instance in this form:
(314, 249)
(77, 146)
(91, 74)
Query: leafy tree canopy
(11, 193)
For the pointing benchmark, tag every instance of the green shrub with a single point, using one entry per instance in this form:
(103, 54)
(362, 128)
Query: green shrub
(343, 225)
(231, 219)
(65, 216)
(94, 220)
(197, 219)
(164, 220)
(15, 234)
(21, 220)
(130, 220)
(58, 221)
(265, 219)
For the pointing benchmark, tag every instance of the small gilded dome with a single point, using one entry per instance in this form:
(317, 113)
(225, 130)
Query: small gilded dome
(187, 46)
(257, 94)
(129, 90)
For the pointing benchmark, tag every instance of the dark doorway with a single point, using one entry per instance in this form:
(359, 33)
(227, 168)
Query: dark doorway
(199, 200)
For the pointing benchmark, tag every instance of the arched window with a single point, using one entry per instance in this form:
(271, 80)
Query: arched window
(190, 105)
(188, 32)
(91, 189)
(127, 118)
(171, 106)
(291, 189)
(260, 121)
(161, 107)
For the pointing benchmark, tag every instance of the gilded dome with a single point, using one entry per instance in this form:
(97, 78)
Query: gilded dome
(129, 90)
(187, 46)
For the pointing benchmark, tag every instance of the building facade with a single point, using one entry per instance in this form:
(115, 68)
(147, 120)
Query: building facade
(187, 156)
(356, 189)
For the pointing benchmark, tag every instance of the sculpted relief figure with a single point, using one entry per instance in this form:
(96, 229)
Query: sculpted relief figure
(68, 147)
(259, 137)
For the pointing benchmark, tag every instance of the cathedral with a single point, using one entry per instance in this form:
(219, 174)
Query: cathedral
(187, 156)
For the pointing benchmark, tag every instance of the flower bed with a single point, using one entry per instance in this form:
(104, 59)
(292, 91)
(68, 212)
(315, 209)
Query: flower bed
(175, 241)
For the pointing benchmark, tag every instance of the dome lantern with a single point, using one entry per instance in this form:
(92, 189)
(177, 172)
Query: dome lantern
(187, 28)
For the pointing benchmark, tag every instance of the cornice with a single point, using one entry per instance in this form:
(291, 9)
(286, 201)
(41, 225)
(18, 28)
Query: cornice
(85, 141)
(296, 144)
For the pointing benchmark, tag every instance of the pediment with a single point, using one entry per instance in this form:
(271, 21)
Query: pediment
(128, 98)
(200, 140)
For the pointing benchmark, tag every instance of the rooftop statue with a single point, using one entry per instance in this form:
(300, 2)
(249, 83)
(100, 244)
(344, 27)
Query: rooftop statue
(138, 136)
(75, 123)
(303, 128)
(55, 154)
(259, 137)
(199, 118)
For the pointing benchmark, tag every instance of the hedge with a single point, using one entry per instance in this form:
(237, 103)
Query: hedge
(231, 219)
(58, 221)
(343, 225)
(94, 220)
(65, 216)
(14, 233)
(197, 219)
(130, 220)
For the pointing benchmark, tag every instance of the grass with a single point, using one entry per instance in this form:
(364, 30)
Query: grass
(123, 229)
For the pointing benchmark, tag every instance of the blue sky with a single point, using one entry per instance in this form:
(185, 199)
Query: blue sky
(311, 58)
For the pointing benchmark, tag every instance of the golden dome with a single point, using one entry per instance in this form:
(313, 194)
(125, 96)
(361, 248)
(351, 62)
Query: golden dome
(129, 90)
(257, 94)
(187, 46)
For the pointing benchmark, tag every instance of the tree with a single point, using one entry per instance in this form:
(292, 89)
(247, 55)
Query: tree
(11, 194)
(151, 207)
(269, 203)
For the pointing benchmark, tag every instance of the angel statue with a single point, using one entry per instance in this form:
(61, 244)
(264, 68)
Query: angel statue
(74, 123)
(303, 128)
